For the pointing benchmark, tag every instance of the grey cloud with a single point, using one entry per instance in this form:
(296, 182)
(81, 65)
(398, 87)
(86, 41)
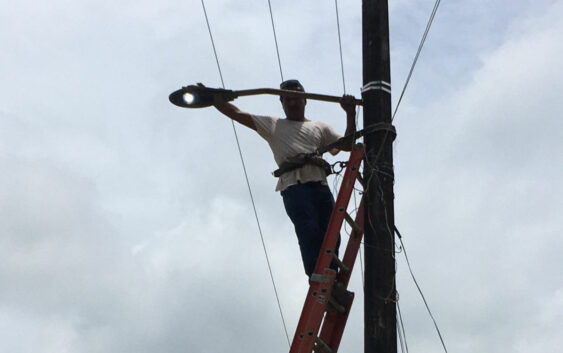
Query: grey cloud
(126, 223)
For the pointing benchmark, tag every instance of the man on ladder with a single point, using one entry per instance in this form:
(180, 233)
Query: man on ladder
(303, 186)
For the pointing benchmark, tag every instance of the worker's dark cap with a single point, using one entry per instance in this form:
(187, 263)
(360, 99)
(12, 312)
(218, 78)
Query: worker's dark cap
(293, 85)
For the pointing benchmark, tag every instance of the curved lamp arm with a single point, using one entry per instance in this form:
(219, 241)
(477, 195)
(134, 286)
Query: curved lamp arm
(193, 96)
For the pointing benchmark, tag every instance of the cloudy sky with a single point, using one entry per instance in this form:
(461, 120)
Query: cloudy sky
(126, 224)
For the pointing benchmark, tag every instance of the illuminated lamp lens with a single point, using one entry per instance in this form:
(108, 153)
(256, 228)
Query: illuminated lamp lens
(189, 98)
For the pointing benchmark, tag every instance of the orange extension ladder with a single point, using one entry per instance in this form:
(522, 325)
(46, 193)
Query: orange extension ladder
(328, 302)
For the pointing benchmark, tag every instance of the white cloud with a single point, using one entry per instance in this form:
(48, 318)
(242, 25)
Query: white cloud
(488, 191)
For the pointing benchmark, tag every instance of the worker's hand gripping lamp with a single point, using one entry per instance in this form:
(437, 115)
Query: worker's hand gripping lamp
(200, 96)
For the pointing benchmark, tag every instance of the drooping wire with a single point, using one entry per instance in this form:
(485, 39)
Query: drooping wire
(401, 331)
(340, 46)
(356, 121)
(420, 290)
(355, 200)
(420, 45)
(247, 181)
(401, 340)
(275, 39)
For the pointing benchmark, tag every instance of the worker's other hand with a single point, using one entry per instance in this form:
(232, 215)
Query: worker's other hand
(218, 99)
(347, 102)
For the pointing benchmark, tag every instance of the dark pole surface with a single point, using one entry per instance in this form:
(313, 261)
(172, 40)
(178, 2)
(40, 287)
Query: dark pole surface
(380, 295)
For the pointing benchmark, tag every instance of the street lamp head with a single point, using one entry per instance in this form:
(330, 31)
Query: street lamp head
(194, 96)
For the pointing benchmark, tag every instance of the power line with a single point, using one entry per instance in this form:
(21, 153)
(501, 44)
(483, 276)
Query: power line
(275, 39)
(420, 45)
(213, 45)
(420, 290)
(247, 181)
(401, 331)
(340, 46)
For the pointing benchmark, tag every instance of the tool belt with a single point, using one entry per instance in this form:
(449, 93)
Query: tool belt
(349, 140)
(299, 161)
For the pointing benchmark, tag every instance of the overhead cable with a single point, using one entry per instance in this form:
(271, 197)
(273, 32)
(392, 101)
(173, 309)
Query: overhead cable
(247, 180)
(401, 331)
(420, 290)
(340, 46)
(420, 45)
(275, 39)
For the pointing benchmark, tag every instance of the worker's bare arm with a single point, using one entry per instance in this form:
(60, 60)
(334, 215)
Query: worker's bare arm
(236, 114)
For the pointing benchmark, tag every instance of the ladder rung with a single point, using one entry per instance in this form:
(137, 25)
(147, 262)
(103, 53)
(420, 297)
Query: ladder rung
(341, 294)
(321, 346)
(340, 308)
(339, 263)
(353, 223)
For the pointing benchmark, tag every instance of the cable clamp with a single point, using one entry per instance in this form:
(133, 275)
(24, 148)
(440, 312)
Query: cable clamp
(377, 85)
(338, 167)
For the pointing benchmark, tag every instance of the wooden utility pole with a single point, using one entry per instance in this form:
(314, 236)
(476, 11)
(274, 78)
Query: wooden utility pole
(380, 294)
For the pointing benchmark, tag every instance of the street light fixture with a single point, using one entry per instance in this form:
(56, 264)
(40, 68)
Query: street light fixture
(196, 96)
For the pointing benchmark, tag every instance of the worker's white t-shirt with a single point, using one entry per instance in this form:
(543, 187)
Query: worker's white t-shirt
(288, 138)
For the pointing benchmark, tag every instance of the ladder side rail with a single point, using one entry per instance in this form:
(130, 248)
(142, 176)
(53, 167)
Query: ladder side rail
(353, 246)
(312, 314)
(334, 323)
(339, 211)
(323, 277)
(333, 327)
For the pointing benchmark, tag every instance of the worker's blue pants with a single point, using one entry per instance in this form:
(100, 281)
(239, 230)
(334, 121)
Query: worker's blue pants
(309, 207)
